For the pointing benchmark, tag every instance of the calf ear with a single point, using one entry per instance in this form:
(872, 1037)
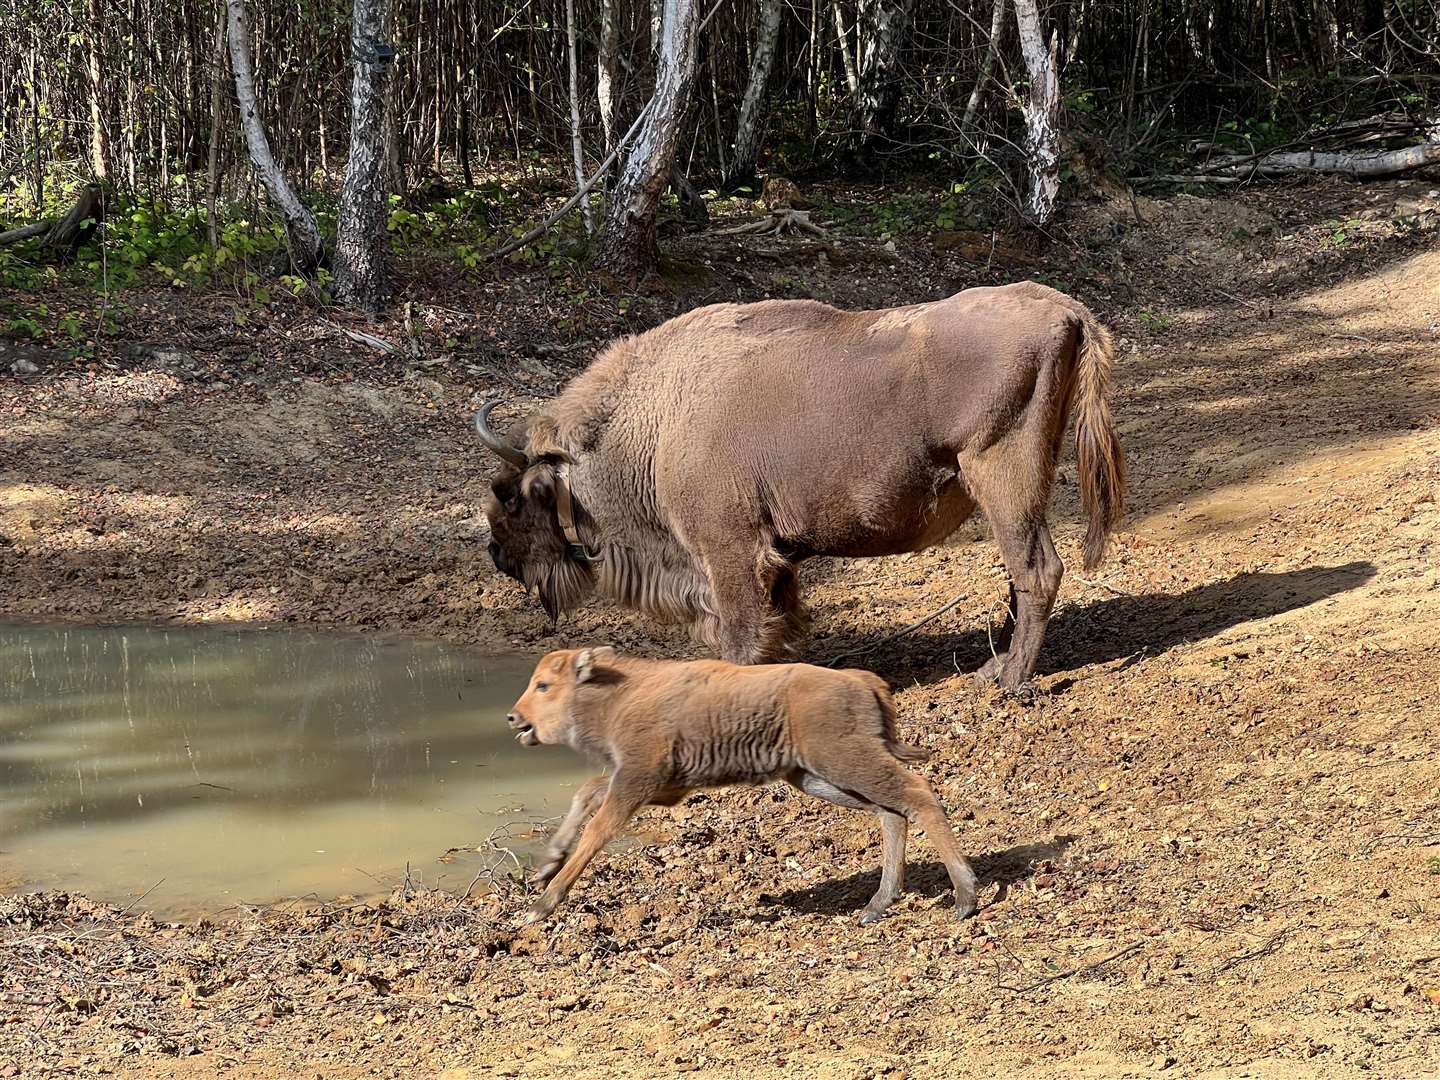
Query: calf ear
(584, 666)
(589, 659)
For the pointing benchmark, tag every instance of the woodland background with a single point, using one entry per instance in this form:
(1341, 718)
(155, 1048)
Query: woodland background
(478, 116)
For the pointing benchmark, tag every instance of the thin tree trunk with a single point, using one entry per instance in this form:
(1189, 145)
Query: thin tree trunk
(303, 235)
(747, 130)
(847, 58)
(577, 151)
(95, 75)
(987, 68)
(886, 24)
(605, 70)
(1042, 113)
(361, 279)
(217, 106)
(627, 243)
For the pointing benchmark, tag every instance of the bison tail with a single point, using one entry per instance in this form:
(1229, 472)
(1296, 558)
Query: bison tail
(881, 689)
(1101, 461)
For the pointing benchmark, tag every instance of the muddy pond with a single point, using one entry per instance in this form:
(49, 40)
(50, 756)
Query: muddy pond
(203, 768)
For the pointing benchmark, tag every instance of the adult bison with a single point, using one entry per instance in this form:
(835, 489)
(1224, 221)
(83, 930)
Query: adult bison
(690, 469)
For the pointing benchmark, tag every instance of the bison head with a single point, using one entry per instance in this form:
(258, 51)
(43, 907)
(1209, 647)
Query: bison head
(545, 712)
(526, 540)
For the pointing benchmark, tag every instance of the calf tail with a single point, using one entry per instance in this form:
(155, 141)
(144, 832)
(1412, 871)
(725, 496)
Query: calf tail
(881, 689)
(1101, 461)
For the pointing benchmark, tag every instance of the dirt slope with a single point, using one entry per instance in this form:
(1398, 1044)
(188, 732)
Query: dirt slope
(1210, 848)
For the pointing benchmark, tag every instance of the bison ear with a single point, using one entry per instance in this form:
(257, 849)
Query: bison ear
(584, 666)
(588, 662)
(538, 483)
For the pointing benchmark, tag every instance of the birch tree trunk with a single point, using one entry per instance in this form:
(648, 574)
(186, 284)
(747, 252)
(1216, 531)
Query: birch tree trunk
(605, 70)
(847, 58)
(747, 129)
(627, 242)
(217, 106)
(987, 68)
(1042, 113)
(95, 76)
(885, 24)
(576, 149)
(301, 232)
(361, 278)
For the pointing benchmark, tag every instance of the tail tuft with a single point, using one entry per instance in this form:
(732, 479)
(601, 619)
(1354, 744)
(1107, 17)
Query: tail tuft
(1101, 461)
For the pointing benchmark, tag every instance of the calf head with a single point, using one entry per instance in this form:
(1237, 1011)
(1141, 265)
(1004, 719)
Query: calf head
(526, 541)
(545, 713)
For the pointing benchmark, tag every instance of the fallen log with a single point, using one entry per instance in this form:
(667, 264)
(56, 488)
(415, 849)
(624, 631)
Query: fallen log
(1366, 164)
(64, 236)
(14, 236)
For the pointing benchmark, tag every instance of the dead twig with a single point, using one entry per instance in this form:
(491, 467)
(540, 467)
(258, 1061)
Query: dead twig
(1083, 970)
(1102, 585)
(1264, 949)
(916, 625)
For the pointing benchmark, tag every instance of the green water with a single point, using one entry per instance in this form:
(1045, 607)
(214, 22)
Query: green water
(205, 767)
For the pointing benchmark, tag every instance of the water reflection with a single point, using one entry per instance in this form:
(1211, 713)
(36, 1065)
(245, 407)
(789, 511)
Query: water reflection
(254, 765)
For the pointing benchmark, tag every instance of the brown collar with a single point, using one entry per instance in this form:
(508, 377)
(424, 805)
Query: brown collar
(565, 513)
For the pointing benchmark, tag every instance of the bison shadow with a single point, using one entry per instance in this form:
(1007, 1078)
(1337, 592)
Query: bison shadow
(842, 896)
(1116, 628)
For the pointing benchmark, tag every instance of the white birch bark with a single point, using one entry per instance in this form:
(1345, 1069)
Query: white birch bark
(306, 248)
(884, 24)
(361, 278)
(847, 58)
(1042, 113)
(747, 129)
(987, 68)
(605, 65)
(577, 151)
(627, 242)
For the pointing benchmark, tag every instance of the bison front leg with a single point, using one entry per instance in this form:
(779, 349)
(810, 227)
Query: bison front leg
(758, 605)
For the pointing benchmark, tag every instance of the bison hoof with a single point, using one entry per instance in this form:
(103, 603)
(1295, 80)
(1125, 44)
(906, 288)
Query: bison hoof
(1026, 693)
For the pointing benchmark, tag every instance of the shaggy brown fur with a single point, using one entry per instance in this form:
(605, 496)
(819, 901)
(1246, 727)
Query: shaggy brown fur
(711, 455)
(664, 728)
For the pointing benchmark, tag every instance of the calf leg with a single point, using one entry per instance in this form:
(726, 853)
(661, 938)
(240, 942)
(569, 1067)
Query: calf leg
(624, 796)
(587, 798)
(866, 771)
(892, 830)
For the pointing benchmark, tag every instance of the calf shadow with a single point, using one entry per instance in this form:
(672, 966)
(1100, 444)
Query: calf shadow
(843, 896)
(1110, 629)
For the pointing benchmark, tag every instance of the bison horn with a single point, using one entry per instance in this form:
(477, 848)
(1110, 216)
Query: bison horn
(502, 449)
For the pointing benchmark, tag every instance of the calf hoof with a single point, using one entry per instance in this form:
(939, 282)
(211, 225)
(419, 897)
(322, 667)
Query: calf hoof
(533, 916)
(548, 870)
(964, 907)
(870, 918)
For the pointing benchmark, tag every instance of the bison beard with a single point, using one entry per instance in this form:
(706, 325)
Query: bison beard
(705, 459)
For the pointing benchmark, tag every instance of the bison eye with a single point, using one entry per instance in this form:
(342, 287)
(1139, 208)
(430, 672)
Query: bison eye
(541, 687)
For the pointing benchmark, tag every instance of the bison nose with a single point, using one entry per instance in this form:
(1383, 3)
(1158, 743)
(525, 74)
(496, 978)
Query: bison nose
(494, 550)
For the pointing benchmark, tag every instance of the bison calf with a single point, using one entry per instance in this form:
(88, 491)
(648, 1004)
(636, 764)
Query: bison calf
(665, 728)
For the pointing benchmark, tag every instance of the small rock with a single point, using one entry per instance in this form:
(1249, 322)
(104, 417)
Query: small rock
(219, 385)
(1359, 1001)
(24, 367)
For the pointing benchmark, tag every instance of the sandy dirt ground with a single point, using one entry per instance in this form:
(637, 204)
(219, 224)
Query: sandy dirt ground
(1209, 848)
